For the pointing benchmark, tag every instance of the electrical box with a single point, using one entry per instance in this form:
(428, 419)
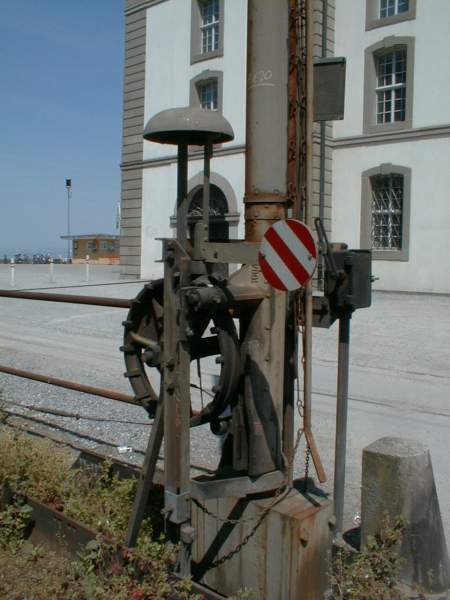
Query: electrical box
(329, 89)
(350, 287)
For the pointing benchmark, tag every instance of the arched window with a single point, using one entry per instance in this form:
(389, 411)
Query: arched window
(218, 209)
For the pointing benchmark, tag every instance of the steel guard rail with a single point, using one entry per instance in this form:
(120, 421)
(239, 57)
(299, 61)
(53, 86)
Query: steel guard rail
(64, 383)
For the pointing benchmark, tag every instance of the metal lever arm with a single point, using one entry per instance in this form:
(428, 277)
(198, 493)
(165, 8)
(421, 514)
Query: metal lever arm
(325, 248)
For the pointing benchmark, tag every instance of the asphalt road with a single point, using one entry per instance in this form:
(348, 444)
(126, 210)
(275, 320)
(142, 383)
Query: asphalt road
(399, 375)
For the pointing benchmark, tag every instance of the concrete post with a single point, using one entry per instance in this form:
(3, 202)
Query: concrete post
(397, 478)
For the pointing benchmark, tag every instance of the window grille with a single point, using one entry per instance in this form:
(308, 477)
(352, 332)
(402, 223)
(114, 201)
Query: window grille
(387, 211)
(218, 209)
(391, 86)
(210, 23)
(208, 94)
(388, 8)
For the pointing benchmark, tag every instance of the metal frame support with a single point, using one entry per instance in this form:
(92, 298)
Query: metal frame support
(176, 398)
(341, 422)
(182, 176)
(307, 142)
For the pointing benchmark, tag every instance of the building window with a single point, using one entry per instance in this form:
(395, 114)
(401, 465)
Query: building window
(207, 22)
(387, 209)
(385, 212)
(391, 86)
(207, 93)
(388, 85)
(92, 246)
(380, 13)
(107, 245)
(388, 8)
(218, 209)
(210, 25)
(206, 90)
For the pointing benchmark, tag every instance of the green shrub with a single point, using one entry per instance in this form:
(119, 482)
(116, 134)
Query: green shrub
(42, 470)
(372, 573)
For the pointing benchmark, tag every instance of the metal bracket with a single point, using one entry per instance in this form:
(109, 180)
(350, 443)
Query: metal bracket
(177, 507)
(233, 252)
(236, 487)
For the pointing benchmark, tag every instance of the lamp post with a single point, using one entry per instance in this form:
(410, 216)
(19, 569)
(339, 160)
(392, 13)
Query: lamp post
(69, 195)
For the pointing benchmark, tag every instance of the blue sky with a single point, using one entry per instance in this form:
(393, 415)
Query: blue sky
(61, 71)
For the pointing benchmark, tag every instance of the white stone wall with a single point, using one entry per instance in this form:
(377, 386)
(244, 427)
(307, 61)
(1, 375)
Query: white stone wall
(430, 29)
(428, 267)
(425, 152)
(167, 85)
(159, 194)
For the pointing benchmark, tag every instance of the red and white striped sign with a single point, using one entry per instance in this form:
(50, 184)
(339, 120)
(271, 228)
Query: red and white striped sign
(288, 255)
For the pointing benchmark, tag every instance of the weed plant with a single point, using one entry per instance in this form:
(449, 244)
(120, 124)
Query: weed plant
(373, 573)
(42, 470)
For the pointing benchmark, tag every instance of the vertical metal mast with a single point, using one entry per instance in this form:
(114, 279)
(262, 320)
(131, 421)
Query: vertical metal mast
(265, 202)
(305, 209)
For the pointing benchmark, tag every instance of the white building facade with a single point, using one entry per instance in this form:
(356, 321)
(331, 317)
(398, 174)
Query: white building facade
(391, 157)
(180, 53)
(384, 181)
(194, 53)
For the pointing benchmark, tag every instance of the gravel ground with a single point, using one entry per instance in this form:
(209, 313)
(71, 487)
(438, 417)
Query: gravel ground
(399, 379)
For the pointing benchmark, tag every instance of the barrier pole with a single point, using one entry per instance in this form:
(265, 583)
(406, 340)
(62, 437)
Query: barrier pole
(52, 278)
(13, 275)
(87, 267)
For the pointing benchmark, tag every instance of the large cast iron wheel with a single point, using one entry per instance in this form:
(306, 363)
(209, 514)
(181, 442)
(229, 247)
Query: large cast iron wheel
(143, 335)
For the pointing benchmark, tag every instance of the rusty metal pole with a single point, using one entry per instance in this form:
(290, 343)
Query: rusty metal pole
(182, 177)
(341, 423)
(265, 203)
(206, 190)
(309, 219)
(176, 406)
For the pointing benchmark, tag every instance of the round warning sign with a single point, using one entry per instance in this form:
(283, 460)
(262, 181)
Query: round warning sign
(288, 255)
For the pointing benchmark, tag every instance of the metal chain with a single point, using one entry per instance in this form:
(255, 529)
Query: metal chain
(278, 498)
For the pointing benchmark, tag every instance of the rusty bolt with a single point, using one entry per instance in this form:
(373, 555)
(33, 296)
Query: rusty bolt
(193, 298)
(303, 535)
(170, 257)
(187, 534)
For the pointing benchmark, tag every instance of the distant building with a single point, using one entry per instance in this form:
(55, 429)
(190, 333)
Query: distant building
(101, 248)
